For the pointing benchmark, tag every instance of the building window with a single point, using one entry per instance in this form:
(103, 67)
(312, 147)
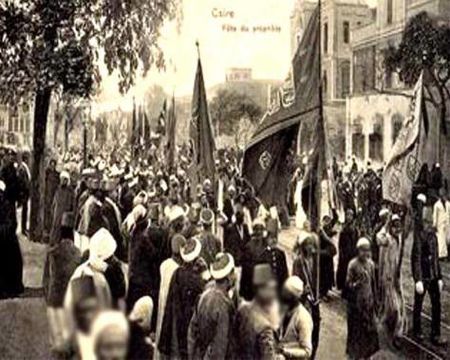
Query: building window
(325, 38)
(389, 11)
(345, 78)
(346, 32)
(325, 82)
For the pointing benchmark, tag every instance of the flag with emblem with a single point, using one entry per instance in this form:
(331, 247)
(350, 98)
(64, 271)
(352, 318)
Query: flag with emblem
(409, 152)
(269, 158)
(200, 129)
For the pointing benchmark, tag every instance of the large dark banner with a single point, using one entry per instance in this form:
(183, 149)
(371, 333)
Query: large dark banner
(266, 163)
(200, 130)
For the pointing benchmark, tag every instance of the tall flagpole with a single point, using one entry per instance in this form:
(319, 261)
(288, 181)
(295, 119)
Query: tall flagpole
(320, 164)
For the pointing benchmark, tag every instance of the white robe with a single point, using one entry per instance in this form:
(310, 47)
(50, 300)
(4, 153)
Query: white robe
(167, 270)
(300, 215)
(441, 220)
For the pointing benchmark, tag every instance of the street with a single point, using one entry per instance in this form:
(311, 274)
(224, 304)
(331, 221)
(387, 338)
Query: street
(24, 330)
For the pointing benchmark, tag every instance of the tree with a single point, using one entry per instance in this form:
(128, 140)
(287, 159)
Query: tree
(54, 46)
(424, 46)
(228, 108)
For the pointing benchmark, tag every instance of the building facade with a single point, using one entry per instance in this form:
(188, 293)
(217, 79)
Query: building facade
(16, 124)
(371, 125)
(238, 74)
(338, 19)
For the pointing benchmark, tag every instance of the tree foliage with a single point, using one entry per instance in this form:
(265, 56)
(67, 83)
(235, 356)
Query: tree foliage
(228, 108)
(49, 46)
(424, 46)
(60, 44)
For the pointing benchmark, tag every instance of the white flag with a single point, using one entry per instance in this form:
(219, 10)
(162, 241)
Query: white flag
(408, 153)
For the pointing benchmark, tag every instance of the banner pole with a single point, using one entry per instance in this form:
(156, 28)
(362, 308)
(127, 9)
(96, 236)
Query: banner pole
(320, 164)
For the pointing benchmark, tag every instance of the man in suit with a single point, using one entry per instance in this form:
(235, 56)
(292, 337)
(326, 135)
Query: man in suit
(427, 277)
(236, 234)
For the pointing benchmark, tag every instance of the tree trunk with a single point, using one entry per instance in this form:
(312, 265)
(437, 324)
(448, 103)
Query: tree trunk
(42, 104)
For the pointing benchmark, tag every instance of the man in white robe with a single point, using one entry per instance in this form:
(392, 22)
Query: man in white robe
(441, 220)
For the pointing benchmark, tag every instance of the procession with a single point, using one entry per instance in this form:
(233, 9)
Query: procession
(207, 226)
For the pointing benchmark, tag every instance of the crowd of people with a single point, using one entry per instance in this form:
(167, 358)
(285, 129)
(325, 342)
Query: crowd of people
(148, 259)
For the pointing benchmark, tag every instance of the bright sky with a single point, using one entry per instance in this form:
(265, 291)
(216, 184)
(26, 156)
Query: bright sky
(267, 53)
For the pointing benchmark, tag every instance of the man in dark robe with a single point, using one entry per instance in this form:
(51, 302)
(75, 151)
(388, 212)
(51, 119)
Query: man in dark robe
(9, 176)
(92, 217)
(159, 239)
(256, 325)
(211, 245)
(327, 253)
(185, 288)
(362, 337)
(113, 215)
(63, 202)
(51, 184)
(347, 249)
(11, 263)
(142, 262)
(24, 175)
(305, 267)
(236, 235)
(427, 276)
(262, 250)
(211, 328)
(229, 202)
(126, 197)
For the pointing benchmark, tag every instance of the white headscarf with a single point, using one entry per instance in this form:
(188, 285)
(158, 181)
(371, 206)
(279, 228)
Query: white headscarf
(101, 247)
(137, 213)
(142, 311)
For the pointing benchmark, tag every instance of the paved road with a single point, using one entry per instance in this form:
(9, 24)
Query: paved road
(333, 333)
(23, 321)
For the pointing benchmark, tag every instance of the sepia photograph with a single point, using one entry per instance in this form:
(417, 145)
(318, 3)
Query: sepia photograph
(224, 179)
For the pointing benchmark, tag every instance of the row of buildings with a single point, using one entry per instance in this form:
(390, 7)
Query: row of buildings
(362, 111)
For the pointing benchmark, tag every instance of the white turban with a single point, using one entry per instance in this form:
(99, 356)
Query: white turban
(102, 245)
(363, 242)
(422, 198)
(294, 285)
(175, 212)
(142, 311)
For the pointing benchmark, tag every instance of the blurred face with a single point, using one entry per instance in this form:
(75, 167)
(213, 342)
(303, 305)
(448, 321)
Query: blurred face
(396, 228)
(307, 225)
(178, 225)
(364, 252)
(267, 294)
(349, 215)
(258, 231)
(288, 300)
(112, 344)
(85, 312)
(239, 217)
